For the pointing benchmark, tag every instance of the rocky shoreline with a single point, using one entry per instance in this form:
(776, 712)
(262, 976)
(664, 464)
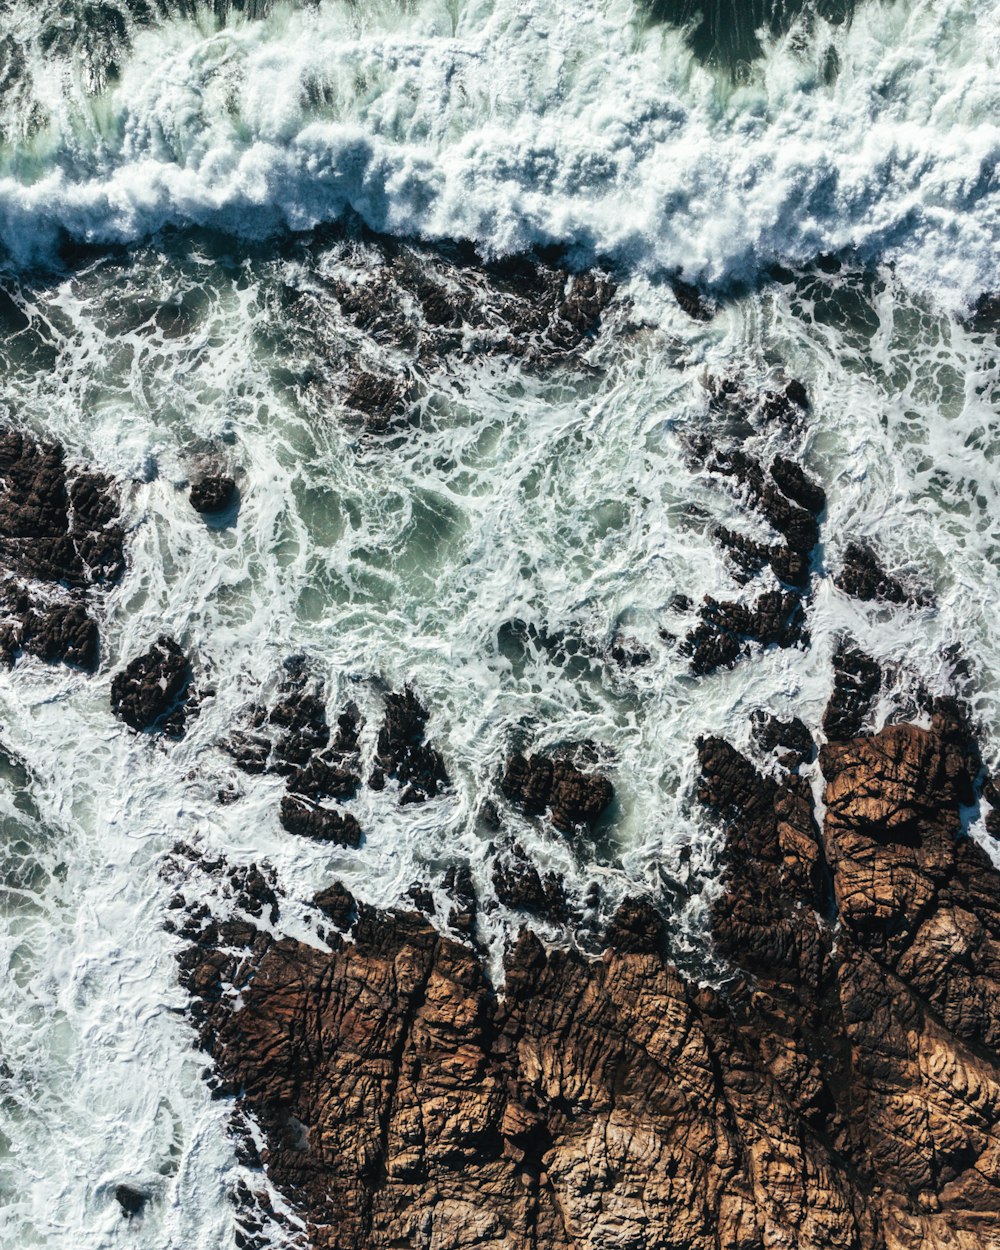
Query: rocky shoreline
(841, 1089)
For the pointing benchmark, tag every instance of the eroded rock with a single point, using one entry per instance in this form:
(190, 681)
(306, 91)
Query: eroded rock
(841, 1090)
(540, 785)
(152, 692)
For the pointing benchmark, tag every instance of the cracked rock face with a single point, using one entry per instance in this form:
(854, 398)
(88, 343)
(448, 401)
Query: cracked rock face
(841, 1090)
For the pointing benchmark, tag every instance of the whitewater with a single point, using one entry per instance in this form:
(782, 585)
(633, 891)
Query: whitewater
(518, 124)
(146, 209)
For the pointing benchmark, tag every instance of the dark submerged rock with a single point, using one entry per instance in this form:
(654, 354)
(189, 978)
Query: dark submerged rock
(726, 632)
(131, 1200)
(786, 406)
(380, 400)
(793, 481)
(152, 691)
(60, 541)
(62, 631)
(691, 300)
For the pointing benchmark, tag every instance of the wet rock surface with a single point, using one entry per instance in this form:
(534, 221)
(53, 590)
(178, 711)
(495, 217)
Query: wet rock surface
(131, 1200)
(369, 295)
(213, 494)
(61, 544)
(789, 740)
(153, 692)
(863, 576)
(403, 753)
(728, 632)
(841, 1090)
(555, 786)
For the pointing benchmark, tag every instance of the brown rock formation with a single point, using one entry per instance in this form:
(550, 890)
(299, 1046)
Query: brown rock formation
(841, 1091)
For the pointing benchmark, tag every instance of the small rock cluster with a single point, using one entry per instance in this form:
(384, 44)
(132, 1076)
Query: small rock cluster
(791, 502)
(61, 544)
(323, 770)
(153, 692)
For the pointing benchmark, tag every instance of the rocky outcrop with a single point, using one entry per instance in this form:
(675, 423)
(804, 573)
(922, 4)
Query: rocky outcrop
(213, 494)
(788, 740)
(841, 1090)
(791, 503)
(863, 576)
(61, 543)
(788, 499)
(691, 300)
(554, 785)
(728, 631)
(131, 1200)
(153, 692)
(403, 752)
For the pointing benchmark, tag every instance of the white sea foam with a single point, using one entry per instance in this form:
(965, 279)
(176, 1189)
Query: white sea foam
(562, 121)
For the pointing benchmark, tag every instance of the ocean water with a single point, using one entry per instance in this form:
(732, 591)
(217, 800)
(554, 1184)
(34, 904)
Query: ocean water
(160, 314)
